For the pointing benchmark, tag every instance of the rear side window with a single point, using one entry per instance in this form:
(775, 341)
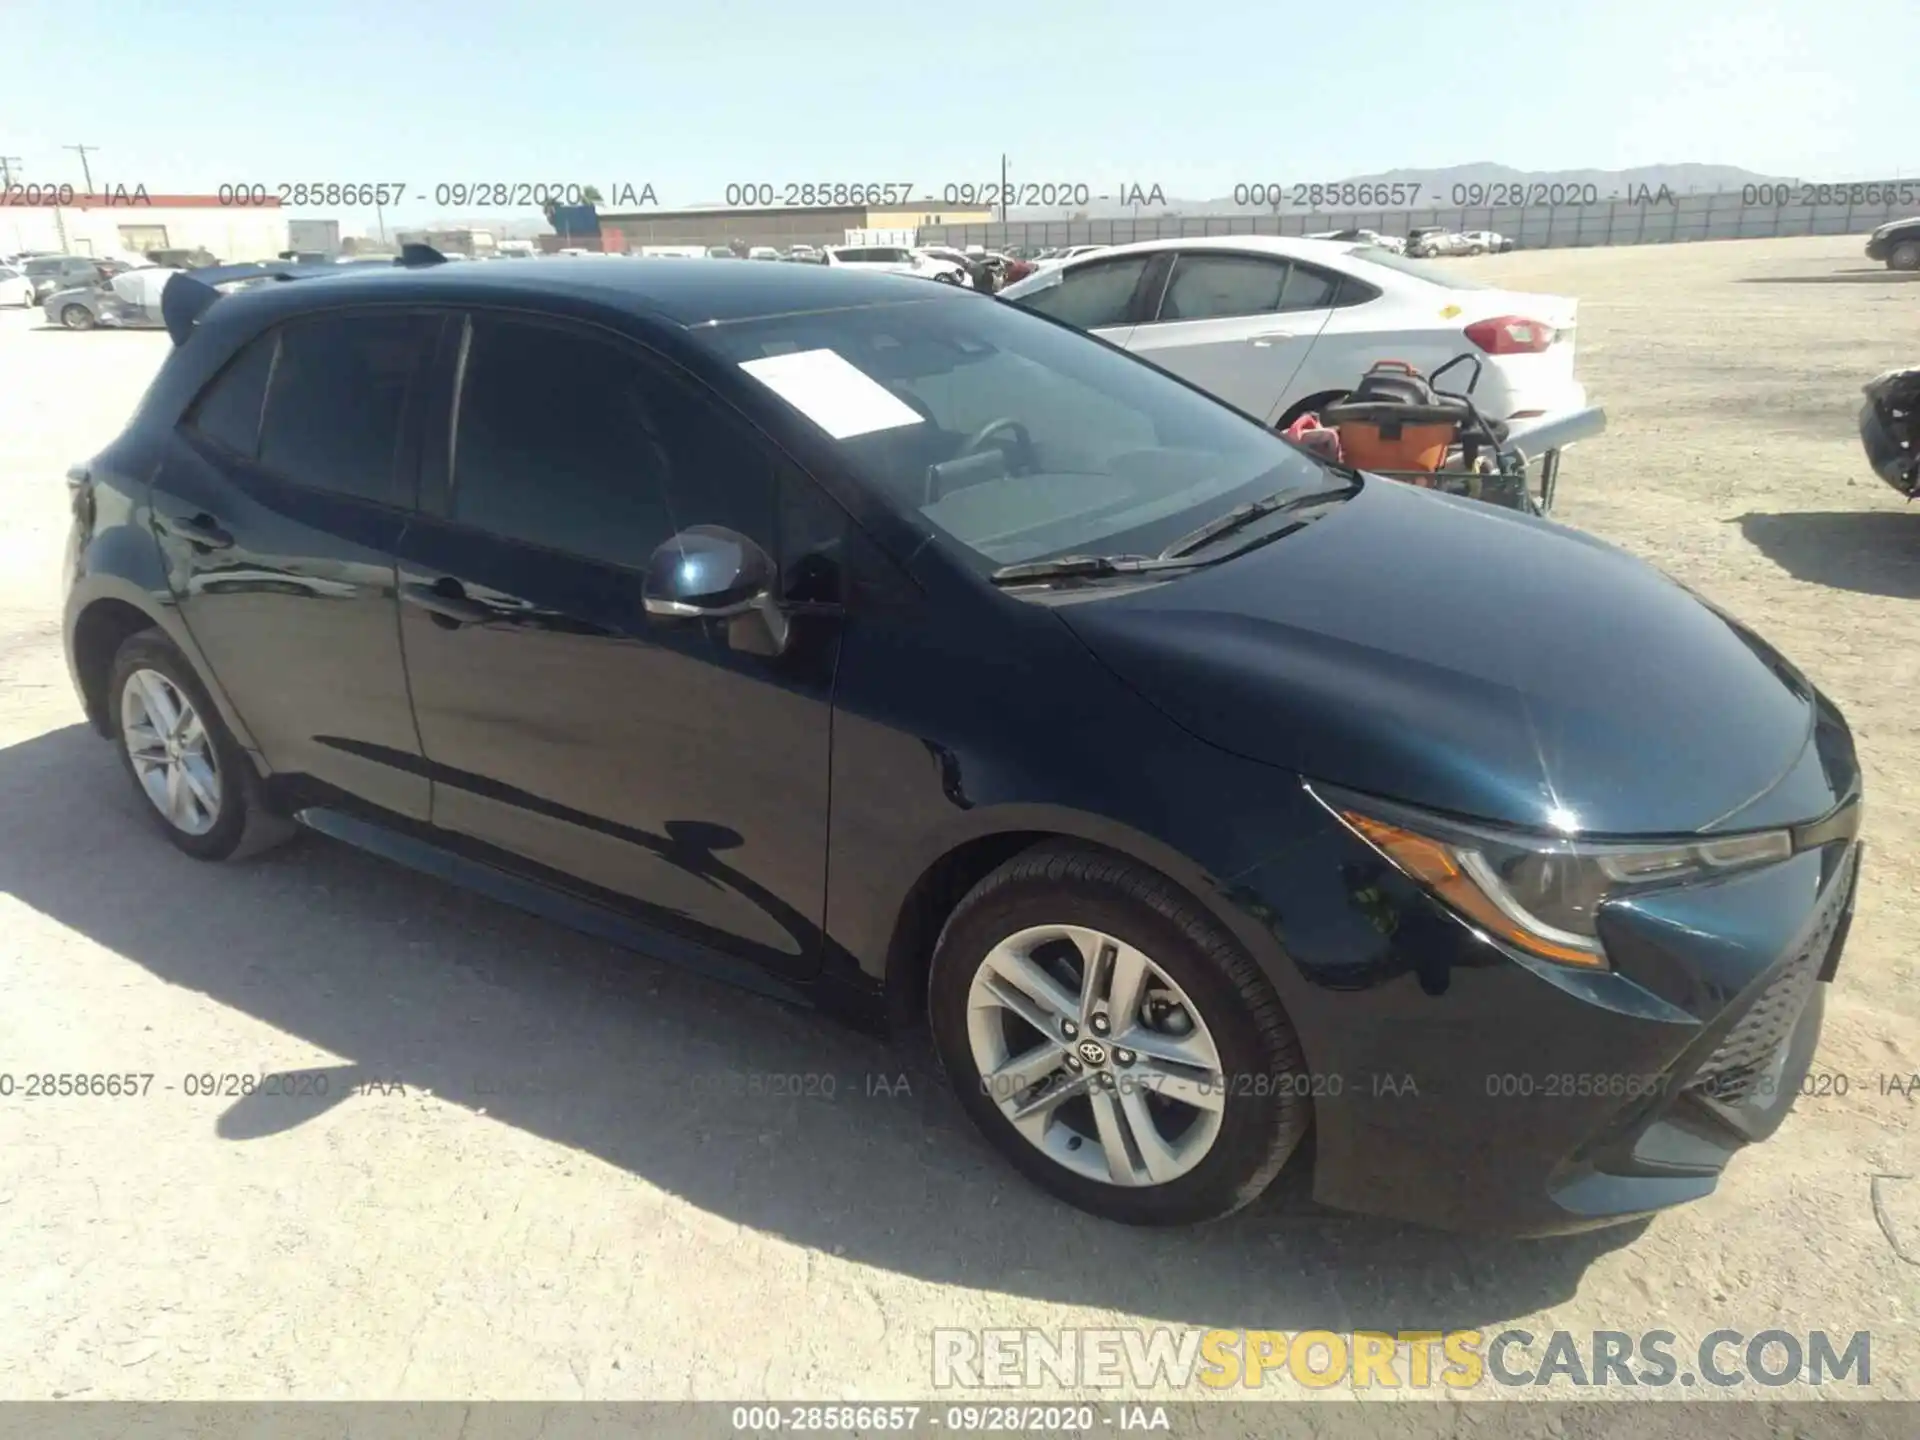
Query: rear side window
(338, 399)
(1308, 289)
(1215, 287)
(228, 410)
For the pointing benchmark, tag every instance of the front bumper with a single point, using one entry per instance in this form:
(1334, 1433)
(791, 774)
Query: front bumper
(1459, 1085)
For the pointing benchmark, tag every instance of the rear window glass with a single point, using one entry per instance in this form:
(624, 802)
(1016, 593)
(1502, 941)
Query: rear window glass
(1420, 269)
(228, 410)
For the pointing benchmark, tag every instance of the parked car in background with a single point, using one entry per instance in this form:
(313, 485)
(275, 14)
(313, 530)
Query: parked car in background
(15, 287)
(1429, 241)
(763, 252)
(129, 301)
(1278, 326)
(49, 273)
(720, 252)
(943, 667)
(1486, 242)
(807, 254)
(192, 259)
(1069, 252)
(1898, 243)
(1890, 428)
(1361, 237)
(898, 260)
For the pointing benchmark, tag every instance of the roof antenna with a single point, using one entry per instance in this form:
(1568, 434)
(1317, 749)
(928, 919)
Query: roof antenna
(416, 254)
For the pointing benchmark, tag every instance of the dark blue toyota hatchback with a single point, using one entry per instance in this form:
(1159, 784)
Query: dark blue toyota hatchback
(878, 644)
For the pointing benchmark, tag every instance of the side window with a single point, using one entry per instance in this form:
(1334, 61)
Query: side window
(228, 410)
(338, 400)
(1092, 295)
(1214, 287)
(1308, 289)
(569, 440)
(1354, 292)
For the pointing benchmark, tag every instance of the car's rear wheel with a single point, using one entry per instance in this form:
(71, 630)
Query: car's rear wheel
(1904, 256)
(76, 317)
(1113, 1042)
(191, 774)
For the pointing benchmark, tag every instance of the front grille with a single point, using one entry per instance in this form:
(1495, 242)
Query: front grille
(1734, 1070)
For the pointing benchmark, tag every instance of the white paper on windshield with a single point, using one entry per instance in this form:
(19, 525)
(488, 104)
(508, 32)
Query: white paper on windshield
(833, 394)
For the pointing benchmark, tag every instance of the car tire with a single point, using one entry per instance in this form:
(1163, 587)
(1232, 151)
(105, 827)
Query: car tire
(76, 317)
(1216, 1149)
(192, 777)
(1904, 256)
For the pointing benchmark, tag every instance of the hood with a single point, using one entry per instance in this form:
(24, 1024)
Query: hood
(1465, 658)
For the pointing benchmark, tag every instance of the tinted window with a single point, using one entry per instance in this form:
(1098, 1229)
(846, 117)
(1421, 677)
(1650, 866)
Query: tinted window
(1308, 289)
(1091, 295)
(334, 412)
(1212, 287)
(228, 410)
(43, 267)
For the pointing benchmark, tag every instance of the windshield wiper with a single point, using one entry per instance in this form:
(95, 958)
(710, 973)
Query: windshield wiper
(1072, 567)
(1243, 515)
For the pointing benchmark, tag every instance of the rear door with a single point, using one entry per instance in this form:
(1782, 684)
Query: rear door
(1102, 297)
(278, 506)
(1238, 325)
(645, 763)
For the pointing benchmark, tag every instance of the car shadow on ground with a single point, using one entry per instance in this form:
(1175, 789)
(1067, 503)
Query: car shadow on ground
(766, 1115)
(1878, 276)
(1875, 552)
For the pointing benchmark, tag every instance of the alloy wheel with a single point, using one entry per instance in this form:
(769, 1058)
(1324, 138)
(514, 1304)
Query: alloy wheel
(1096, 1057)
(172, 753)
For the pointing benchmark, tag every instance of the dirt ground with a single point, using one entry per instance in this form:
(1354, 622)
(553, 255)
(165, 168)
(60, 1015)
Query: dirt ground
(553, 1179)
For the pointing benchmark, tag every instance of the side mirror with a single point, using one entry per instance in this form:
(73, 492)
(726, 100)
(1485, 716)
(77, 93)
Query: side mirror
(708, 572)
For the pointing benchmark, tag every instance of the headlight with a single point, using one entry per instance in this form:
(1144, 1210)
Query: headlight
(1539, 893)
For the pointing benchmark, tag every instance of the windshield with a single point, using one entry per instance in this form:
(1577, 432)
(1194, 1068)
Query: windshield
(1016, 438)
(1424, 269)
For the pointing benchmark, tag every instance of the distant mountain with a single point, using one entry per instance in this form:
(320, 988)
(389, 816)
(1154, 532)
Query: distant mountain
(1437, 188)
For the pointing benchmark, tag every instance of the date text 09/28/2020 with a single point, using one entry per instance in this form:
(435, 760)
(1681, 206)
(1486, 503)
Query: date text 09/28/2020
(622, 194)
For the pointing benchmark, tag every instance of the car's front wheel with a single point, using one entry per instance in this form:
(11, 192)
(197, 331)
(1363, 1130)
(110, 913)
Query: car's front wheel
(1904, 256)
(191, 774)
(76, 317)
(1113, 1042)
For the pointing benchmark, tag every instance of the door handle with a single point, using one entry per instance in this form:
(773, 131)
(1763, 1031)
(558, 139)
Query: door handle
(201, 529)
(1267, 337)
(447, 602)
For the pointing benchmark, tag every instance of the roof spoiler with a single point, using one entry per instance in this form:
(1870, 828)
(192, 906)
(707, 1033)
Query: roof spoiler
(189, 293)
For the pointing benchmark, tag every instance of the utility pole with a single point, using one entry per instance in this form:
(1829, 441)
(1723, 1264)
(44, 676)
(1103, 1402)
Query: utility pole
(1003, 189)
(84, 170)
(7, 162)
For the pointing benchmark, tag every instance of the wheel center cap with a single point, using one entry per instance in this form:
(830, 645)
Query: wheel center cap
(1092, 1052)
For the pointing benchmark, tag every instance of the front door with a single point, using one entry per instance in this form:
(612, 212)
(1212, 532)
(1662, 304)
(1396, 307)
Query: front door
(277, 509)
(643, 762)
(1100, 296)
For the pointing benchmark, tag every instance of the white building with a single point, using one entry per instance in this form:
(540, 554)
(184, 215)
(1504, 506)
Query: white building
(128, 226)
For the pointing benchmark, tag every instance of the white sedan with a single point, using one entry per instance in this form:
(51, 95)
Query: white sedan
(1276, 326)
(15, 288)
(896, 259)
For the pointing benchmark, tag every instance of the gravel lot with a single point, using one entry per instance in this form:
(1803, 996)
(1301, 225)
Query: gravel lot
(559, 1186)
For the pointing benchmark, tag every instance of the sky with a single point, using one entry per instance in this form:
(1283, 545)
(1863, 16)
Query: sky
(691, 97)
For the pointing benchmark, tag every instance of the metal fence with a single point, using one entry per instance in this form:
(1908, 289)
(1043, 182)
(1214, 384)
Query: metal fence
(1682, 218)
